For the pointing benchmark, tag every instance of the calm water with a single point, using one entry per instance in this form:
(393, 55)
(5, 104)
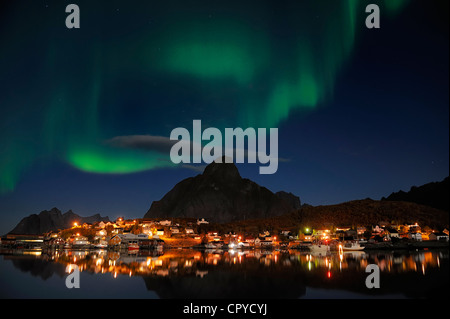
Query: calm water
(223, 274)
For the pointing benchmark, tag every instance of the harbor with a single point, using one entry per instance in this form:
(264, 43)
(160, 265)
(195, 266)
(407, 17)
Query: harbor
(224, 273)
(188, 258)
(158, 234)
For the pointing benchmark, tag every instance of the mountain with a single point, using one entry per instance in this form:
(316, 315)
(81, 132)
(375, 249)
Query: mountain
(221, 195)
(348, 214)
(52, 220)
(432, 194)
(291, 199)
(370, 212)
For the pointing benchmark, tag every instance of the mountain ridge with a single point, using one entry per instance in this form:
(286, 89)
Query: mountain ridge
(434, 194)
(52, 220)
(364, 212)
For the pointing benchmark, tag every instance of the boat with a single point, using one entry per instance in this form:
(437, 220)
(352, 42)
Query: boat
(80, 242)
(133, 246)
(215, 245)
(240, 245)
(102, 244)
(352, 246)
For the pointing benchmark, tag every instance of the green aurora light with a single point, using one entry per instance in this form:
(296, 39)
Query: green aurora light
(270, 76)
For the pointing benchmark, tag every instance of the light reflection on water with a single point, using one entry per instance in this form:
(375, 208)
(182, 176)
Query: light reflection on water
(246, 274)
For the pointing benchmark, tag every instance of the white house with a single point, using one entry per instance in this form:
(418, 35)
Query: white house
(415, 236)
(189, 230)
(392, 233)
(285, 233)
(202, 221)
(165, 223)
(438, 236)
(174, 230)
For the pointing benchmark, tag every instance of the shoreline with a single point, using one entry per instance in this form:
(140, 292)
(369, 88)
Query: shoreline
(407, 245)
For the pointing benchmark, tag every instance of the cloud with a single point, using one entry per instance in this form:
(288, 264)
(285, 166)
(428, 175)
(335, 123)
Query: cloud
(159, 144)
(163, 145)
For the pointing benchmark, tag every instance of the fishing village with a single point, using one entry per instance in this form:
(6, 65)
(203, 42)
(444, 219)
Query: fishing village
(157, 234)
(164, 250)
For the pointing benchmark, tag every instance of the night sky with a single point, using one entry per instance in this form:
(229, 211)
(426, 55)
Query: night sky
(360, 112)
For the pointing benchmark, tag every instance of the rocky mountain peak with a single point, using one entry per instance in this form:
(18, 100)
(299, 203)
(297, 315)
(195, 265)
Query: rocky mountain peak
(223, 170)
(220, 195)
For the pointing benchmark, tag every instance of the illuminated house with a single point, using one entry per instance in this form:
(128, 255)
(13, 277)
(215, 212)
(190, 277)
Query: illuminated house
(263, 242)
(307, 237)
(438, 236)
(115, 240)
(392, 233)
(101, 233)
(361, 230)
(202, 221)
(414, 228)
(415, 236)
(130, 222)
(322, 234)
(24, 241)
(250, 240)
(377, 231)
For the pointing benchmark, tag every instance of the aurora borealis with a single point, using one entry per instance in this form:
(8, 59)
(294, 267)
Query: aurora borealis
(144, 68)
